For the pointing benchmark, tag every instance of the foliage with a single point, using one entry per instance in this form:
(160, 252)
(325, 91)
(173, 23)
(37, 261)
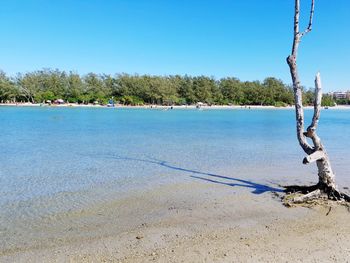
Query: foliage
(327, 101)
(343, 101)
(47, 84)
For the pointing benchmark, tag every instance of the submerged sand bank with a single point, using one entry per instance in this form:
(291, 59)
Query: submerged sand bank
(200, 222)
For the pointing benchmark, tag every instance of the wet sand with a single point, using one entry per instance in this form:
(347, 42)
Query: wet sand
(199, 222)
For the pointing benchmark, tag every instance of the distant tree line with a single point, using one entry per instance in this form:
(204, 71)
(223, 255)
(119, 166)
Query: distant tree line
(40, 86)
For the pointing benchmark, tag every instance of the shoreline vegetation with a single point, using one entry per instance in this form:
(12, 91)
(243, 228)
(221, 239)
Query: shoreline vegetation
(47, 86)
(164, 107)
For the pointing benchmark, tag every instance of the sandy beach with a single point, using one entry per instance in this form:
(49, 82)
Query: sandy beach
(136, 186)
(198, 222)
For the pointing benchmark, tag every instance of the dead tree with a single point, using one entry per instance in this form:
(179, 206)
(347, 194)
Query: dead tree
(326, 186)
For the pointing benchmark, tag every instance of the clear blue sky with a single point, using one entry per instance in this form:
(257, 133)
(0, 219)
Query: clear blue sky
(246, 39)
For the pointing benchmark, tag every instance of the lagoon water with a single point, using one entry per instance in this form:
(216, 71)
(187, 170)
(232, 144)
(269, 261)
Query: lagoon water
(57, 162)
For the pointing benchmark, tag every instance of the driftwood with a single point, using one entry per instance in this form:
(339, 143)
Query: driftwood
(326, 186)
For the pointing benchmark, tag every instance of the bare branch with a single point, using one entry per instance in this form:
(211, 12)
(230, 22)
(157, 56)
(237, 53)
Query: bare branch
(314, 157)
(296, 39)
(311, 130)
(309, 28)
(292, 62)
(317, 103)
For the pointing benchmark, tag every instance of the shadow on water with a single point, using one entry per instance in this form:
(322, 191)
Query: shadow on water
(213, 178)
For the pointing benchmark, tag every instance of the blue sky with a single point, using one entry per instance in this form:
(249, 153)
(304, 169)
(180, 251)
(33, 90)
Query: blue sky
(246, 39)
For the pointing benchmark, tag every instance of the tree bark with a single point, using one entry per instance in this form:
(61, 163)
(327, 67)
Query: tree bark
(317, 152)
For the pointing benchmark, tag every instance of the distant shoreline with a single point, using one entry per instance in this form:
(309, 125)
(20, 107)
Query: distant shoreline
(214, 107)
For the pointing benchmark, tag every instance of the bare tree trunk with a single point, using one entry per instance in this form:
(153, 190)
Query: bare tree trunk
(315, 153)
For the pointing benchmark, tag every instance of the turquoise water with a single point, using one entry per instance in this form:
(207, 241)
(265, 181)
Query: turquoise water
(57, 160)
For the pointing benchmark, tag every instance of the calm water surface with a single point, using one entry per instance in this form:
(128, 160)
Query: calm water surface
(55, 161)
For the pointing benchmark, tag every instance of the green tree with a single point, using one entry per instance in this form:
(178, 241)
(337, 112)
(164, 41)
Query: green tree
(8, 90)
(231, 90)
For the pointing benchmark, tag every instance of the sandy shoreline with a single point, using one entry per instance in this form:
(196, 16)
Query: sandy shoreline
(199, 217)
(200, 222)
(214, 107)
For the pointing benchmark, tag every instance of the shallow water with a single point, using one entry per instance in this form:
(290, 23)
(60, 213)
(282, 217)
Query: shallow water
(57, 162)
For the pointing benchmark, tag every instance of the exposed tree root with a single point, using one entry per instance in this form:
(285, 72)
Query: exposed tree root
(312, 195)
(308, 197)
(303, 189)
